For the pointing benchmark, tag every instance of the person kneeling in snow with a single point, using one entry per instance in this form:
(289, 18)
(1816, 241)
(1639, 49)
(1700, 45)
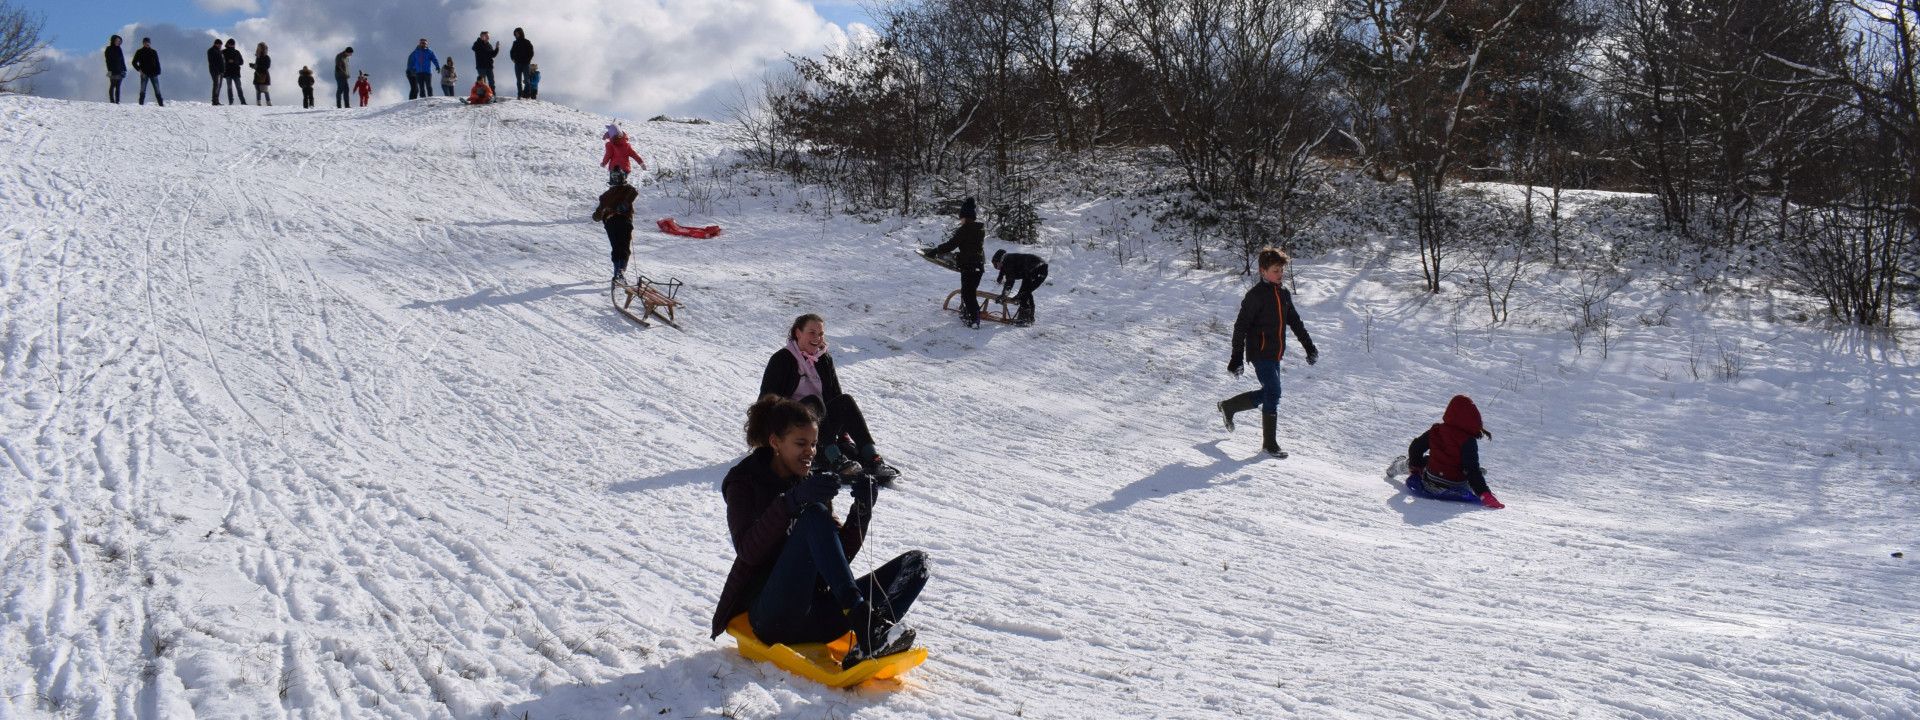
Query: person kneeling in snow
(1444, 462)
(803, 372)
(790, 574)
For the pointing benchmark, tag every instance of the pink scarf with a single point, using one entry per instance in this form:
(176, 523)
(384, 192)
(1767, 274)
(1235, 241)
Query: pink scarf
(809, 375)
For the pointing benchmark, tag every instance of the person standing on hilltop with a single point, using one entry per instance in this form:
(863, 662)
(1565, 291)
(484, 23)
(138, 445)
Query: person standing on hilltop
(484, 51)
(1260, 337)
(306, 87)
(522, 55)
(147, 63)
(116, 69)
(340, 81)
(231, 62)
(363, 87)
(421, 65)
(261, 78)
(447, 77)
(216, 67)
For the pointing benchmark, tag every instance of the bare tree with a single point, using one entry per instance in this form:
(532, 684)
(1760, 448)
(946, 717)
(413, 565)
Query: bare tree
(20, 45)
(1431, 58)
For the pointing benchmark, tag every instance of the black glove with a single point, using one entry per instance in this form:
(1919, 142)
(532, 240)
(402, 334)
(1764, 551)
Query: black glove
(1235, 367)
(819, 487)
(1313, 356)
(865, 492)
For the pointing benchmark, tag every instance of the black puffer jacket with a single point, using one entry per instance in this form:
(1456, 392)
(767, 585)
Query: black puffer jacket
(783, 375)
(234, 60)
(522, 51)
(758, 519)
(484, 53)
(216, 61)
(1260, 330)
(1015, 267)
(968, 239)
(116, 61)
(146, 62)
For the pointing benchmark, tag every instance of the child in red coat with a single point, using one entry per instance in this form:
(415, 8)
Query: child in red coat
(619, 157)
(364, 88)
(1444, 461)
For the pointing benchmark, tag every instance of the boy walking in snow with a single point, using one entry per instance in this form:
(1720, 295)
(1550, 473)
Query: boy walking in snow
(616, 213)
(1260, 337)
(147, 63)
(619, 156)
(1444, 462)
(1029, 270)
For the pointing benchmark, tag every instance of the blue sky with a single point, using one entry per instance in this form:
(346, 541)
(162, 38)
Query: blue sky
(83, 25)
(624, 58)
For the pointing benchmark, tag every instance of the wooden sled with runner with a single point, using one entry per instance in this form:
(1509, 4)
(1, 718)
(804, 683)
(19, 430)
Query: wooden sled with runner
(657, 299)
(1005, 314)
(820, 662)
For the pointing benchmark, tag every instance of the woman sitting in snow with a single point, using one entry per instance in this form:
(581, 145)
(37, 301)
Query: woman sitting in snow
(803, 371)
(619, 156)
(791, 574)
(1444, 462)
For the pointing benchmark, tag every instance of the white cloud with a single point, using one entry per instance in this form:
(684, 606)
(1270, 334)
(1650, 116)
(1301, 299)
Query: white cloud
(633, 59)
(225, 6)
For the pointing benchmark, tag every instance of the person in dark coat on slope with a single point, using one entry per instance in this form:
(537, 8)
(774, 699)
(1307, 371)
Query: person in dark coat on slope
(791, 572)
(970, 257)
(616, 213)
(116, 69)
(341, 80)
(484, 51)
(1260, 337)
(522, 56)
(803, 371)
(261, 77)
(233, 61)
(216, 67)
(147, 63)
(1445, 460)
(306, 87)
(1029, 270)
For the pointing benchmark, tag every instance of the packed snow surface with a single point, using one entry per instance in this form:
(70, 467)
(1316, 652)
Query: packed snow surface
(326, 414)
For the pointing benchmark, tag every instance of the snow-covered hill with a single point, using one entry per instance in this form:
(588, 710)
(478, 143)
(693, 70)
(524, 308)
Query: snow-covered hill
(324, 414)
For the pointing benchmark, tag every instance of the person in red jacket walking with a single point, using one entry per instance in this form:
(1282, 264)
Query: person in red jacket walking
(619, 156)
(1260, 336)
(1444, 462)
(364, 88)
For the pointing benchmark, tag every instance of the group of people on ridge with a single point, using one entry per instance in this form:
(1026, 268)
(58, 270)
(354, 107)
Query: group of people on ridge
(225, 63)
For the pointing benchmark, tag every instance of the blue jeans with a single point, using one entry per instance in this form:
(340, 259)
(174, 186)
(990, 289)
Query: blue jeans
(153, 80)
(486, 73)
(1269, 373)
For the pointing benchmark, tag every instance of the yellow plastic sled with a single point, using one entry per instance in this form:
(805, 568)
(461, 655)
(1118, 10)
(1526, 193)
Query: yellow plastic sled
(821, 662)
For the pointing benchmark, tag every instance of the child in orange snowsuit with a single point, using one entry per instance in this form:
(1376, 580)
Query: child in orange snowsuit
(481, 93)
(364, 88)
(619, 156)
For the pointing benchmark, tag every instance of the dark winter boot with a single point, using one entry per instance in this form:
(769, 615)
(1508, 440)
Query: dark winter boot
(1235, 405)
(1267, 443)
(874, 635)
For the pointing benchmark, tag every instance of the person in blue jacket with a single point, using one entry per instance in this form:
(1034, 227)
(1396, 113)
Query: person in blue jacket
(421, 65)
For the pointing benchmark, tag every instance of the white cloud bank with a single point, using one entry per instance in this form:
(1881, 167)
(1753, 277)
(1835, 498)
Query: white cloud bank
(630, 58)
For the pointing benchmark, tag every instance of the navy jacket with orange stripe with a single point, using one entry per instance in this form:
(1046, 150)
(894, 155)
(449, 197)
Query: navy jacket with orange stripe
(1260, 331)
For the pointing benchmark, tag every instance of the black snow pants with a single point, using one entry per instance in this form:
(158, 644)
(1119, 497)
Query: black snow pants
(841, 416)
(970, 303)
(620, 236)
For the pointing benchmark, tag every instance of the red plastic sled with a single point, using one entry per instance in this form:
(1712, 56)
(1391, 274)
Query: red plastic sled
(668, 226)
